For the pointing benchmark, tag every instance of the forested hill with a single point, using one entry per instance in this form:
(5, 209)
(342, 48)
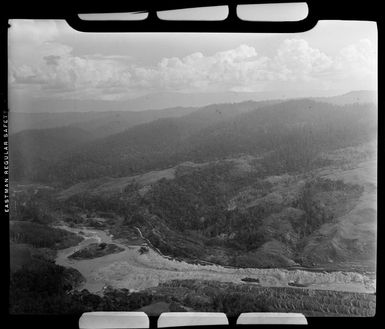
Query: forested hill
(358, 96)
(322, 125)
(33, 151)
(305, 126)
(110, 122)
(104, 123)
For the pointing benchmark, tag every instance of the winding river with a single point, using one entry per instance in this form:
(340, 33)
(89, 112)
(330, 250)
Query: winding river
(135, 271)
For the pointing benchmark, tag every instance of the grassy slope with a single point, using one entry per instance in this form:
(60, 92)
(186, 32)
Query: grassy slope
(353, 234)
(110, 186)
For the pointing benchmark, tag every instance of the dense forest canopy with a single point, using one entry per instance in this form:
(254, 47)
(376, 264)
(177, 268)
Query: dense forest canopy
(303, 126)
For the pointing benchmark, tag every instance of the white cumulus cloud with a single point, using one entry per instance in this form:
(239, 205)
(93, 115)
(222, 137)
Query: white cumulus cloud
(358, 58)
(54, 68)
(296, 59)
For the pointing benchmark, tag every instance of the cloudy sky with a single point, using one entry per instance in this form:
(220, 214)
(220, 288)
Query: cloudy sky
(48, 60)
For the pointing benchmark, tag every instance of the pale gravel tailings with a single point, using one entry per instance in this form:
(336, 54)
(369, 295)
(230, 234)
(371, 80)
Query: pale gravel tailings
(132, 270)
(139, 272)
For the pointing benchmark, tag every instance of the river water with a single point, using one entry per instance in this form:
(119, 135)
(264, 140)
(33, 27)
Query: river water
(132, 270)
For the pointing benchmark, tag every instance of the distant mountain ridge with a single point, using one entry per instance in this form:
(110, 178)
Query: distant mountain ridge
(215, 131)
(114, 121)
(107, 122)
(154, 101)
(359, 96)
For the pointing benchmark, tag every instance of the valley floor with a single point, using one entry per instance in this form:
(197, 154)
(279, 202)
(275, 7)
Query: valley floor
(135, 271)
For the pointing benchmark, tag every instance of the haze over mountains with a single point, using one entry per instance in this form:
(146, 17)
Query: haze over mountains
(131, 142)
(110, 117)
(153, 101)
(104, 123)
